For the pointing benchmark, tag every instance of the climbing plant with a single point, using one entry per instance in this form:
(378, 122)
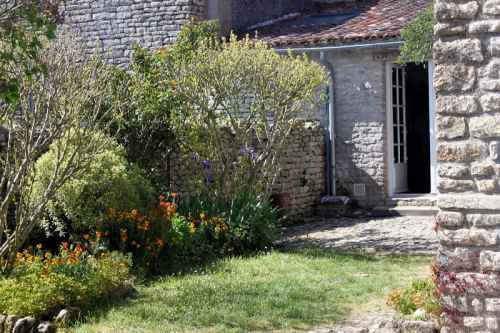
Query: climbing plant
(418, 38)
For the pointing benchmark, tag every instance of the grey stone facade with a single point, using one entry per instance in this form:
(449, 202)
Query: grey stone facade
(112, 27)
(359, 94)
(467, 81)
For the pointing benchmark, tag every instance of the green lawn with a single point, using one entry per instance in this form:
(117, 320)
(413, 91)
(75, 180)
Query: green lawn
(270, 292)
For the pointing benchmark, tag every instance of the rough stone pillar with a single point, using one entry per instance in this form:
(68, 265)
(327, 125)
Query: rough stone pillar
(467, 82)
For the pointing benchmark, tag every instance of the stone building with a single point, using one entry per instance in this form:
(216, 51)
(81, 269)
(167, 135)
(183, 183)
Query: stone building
(467, 83)
(380, 117)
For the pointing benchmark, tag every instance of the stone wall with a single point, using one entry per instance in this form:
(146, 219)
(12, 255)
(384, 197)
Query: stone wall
(113, 26)
(467, 82)
(360, 108)
(302, 180)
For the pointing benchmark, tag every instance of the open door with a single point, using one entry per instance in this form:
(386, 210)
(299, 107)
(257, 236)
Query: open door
(399, 129)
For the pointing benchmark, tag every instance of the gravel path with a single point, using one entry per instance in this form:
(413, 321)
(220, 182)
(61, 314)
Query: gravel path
(396, 235)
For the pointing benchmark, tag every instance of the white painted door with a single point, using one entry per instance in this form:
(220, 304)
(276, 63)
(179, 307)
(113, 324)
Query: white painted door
(400, 163)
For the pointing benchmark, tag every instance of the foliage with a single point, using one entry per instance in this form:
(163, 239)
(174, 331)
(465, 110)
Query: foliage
(422, 294)
(270, 292)
(418, 38)
(108, 181)
(42, 283)
(51, 104)
(24, 25)
(240, 101)
(251, 219)
(160, 238)
(145, 95)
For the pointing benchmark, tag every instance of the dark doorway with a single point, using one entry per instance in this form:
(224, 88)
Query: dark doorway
(417, 125)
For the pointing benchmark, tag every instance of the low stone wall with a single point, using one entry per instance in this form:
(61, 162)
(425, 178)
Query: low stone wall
(303, 166)
(301, 182)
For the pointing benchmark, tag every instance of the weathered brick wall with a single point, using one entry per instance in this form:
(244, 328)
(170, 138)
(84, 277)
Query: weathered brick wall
(113, 26)
(467, 82)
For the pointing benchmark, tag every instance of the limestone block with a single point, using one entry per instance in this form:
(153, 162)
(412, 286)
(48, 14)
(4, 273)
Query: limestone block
(458, 77)
(492, 323)
(460, 50)
(486, 26)
(491, 7)
(456, 303)
(458, 259)
(477, 305)
(473, 323)
(461, 151)
(488, 186)
(468, 237)
(460, 105)
(453, 11)
(483, 220)
(446, 29)
(453, 170)
(485, 126)
(495, 151)
(482, 169)
(478, 284)
(451, 127)
(490, 262)
(450, 219)
(490, 102)
(453, 185)
(469, 202)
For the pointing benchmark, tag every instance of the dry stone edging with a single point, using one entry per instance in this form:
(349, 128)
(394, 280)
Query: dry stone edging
(29, 324)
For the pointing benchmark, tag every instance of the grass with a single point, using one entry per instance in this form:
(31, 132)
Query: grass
(270, 292)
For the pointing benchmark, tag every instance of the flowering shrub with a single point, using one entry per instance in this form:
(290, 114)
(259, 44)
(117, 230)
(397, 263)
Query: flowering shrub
(43, 283)
(422, 294)
(159, 235)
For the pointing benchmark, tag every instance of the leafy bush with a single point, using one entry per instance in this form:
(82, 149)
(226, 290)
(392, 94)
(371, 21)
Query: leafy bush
(161, 236)
(251, 219)
(42, 284)
(422, 294)
(107, 181)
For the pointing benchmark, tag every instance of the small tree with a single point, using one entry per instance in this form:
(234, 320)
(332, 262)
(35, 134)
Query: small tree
(62, 101)
(144, 93)
(240, 101)
(24, 24)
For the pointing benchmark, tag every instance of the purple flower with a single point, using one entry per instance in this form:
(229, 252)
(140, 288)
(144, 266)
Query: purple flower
(205, 164)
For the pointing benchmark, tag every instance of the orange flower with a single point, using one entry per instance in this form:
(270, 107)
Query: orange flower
(173, 195)
(64, 245)
(86, 236)
(123, 235)
(160, 242)
(98, 234)
(111, 212)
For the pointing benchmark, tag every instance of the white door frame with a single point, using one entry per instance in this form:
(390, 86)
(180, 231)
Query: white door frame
(391, 183)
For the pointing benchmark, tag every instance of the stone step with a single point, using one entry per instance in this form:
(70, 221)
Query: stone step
(405, 211)
(412, 201)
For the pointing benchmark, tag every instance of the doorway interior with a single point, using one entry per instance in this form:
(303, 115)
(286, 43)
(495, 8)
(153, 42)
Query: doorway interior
(411, 129)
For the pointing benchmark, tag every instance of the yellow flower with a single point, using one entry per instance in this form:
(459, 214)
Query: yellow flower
(160, 242)
(86, 236)
(192, 227)
(39, 246)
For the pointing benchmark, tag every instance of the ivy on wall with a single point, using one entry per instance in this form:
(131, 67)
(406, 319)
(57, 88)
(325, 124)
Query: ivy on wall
(418, 38)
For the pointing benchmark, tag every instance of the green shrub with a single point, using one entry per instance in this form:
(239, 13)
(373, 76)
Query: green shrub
(108, 181)
(251, 219)
(422, 294)
(42, 284)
